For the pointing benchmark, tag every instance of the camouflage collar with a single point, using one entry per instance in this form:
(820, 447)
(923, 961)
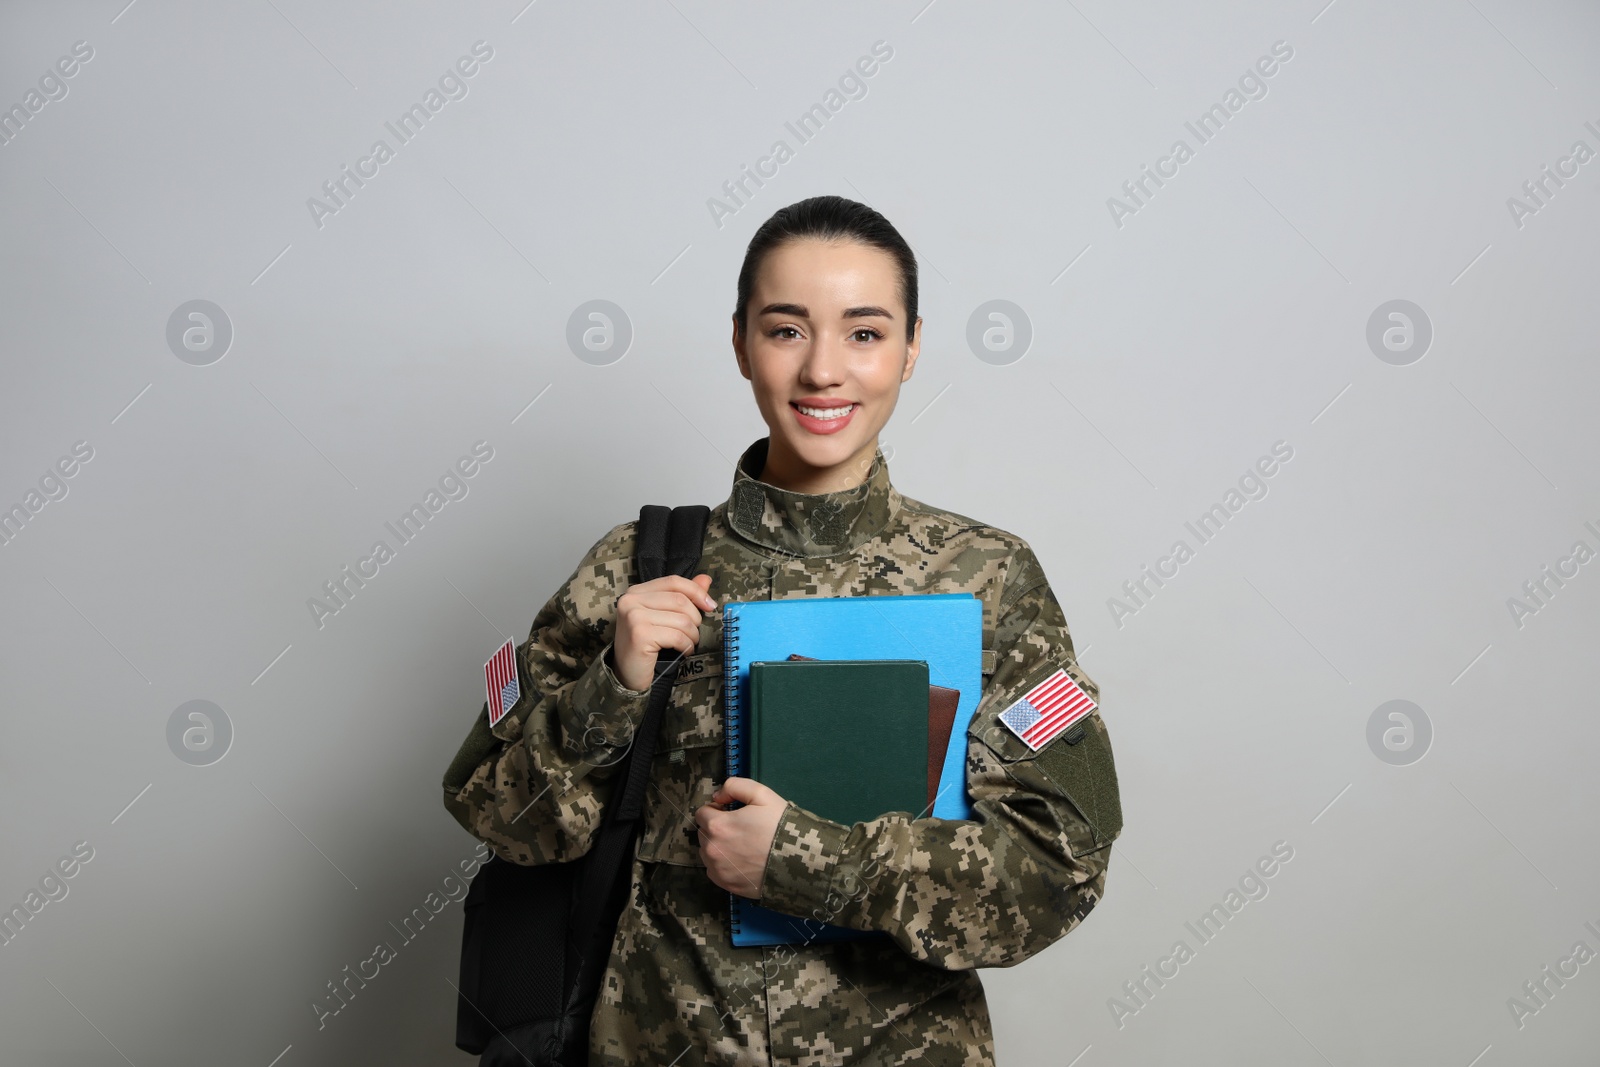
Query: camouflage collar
(809, 524)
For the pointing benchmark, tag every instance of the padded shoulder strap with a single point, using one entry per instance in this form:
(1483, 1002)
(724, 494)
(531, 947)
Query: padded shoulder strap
(650, 542)
(685, 531)
(665, 540)
(686, 538)
(669, 541)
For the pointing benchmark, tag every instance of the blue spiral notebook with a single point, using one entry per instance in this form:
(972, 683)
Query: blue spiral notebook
(943, 629)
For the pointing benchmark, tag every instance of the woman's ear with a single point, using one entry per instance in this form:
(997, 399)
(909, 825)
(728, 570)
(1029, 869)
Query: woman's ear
(738, 349)
(912, 350)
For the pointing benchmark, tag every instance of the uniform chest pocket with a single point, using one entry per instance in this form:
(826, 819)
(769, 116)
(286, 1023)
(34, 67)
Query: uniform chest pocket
(694, 713)
(689, 762)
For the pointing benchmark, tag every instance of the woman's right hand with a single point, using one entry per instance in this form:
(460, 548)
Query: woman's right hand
(661, 615)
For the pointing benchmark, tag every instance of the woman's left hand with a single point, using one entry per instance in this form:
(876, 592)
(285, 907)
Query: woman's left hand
(734, 844)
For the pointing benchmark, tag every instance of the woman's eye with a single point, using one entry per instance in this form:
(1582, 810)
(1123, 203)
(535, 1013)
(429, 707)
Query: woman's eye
(779, 330)
(869, 331)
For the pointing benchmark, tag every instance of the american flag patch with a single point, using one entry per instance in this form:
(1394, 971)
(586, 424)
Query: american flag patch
(1047, 709)
(500, 682)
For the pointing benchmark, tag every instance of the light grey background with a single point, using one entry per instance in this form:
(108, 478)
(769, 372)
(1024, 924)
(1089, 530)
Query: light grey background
(1168, 353)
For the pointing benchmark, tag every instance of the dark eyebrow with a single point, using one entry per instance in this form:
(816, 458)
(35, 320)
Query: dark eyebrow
(800, 311)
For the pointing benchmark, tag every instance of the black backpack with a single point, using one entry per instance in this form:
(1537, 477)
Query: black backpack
(537, 938)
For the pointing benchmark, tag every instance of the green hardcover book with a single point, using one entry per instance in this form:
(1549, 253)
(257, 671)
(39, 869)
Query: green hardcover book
(845, 739)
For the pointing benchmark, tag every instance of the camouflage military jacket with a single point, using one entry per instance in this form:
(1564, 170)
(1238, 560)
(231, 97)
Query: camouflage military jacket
(952, 895)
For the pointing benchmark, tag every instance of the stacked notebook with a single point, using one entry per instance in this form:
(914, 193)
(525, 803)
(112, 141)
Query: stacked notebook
(847, 706)
(851, 734)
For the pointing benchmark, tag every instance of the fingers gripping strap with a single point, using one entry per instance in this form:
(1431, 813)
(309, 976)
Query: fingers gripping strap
(603, 888)
(685, 536)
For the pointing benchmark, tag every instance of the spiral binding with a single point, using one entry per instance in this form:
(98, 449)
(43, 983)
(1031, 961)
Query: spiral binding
(730, 724)
(730, 688)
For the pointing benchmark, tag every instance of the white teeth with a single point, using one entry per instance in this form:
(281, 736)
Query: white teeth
(827, 413)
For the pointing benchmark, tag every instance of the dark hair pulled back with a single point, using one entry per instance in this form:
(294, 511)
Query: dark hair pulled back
(829, 218)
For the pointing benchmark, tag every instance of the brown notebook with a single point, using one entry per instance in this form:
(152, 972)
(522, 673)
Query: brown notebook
(942, 701)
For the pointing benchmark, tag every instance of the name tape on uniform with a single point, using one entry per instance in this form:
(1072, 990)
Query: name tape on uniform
(500, 682)
(1047, 709)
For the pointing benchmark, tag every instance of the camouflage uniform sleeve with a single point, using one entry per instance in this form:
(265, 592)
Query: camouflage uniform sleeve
(534, 786)
(996, 889)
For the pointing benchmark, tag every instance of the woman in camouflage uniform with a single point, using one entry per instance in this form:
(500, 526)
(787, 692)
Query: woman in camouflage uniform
(826, 329)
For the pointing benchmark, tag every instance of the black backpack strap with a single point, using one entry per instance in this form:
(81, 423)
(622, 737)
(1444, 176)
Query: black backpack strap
(669, 541)
(650, 542)
(666, 542)
(685, 538)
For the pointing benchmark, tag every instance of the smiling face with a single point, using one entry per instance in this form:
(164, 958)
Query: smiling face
(825, 354)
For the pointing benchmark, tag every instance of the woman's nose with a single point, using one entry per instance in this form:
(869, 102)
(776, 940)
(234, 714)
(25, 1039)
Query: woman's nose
(824, 364)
